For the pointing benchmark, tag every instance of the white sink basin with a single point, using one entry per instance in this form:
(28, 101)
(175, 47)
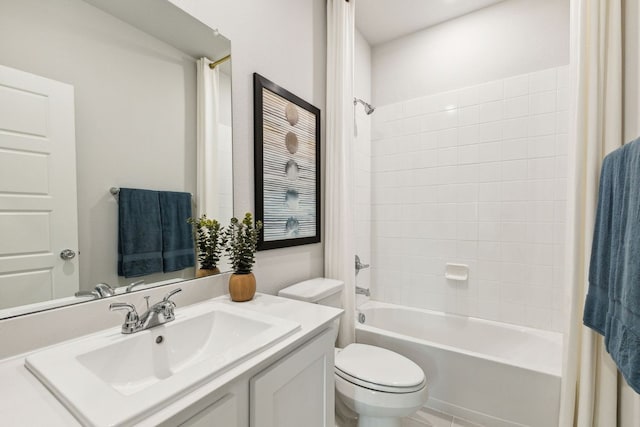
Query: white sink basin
(114, 379)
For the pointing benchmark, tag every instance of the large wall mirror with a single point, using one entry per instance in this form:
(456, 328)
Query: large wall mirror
(124, 74)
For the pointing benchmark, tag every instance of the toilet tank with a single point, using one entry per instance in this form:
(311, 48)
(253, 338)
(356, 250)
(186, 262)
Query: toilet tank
(318, 291)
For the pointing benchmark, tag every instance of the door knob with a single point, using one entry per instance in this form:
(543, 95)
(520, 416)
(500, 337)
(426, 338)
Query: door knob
(67, 254)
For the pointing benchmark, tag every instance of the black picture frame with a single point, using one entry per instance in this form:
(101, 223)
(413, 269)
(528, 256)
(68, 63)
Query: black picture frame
(286, 165)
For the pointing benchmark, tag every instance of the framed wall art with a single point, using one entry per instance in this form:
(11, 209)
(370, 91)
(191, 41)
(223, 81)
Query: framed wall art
(287, 166)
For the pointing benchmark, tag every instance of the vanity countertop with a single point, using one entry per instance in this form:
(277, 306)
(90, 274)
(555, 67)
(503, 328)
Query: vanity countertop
(24, 401)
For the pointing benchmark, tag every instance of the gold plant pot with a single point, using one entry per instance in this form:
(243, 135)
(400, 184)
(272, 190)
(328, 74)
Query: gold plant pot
(242, 287)
(204, 272)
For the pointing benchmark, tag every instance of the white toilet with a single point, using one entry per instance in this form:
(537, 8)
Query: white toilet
(378, 385)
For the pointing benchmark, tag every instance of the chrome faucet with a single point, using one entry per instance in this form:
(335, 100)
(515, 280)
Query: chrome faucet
(105, 290)
(363, 291)
(101, 290)
(134, 284)
(158, 314)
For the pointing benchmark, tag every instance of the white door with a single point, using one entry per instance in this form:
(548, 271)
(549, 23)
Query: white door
(38, 207)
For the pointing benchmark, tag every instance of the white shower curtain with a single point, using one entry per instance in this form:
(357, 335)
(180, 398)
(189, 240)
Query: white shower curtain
(593, 392)
(339, 254)
(208, 92)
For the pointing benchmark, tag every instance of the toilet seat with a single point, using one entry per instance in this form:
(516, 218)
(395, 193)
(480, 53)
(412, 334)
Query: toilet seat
(378, 369)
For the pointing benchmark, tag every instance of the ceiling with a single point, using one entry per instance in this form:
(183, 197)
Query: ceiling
(382, 20)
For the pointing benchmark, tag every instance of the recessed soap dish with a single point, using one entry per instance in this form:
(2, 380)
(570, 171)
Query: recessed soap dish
(457, 272)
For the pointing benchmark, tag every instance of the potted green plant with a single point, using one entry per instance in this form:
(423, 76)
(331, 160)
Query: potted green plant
(209, 243)
(240, 241)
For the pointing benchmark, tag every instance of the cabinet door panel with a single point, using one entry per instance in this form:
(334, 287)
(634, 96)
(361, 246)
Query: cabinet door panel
(223, 413)
(226, 407)
(298, 390)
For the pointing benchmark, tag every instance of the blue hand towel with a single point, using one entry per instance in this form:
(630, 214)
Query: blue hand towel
(612, 307)
(139, 233)
(606, 239)
(177, 235)
(622, 334)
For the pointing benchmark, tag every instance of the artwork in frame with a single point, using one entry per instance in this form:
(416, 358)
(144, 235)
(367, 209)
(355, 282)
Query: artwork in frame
(287, 166)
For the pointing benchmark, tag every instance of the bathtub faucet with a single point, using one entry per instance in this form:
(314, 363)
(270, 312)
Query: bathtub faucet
(363, 291)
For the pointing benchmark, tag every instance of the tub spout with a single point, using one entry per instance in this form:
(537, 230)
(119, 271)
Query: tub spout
(363, 291)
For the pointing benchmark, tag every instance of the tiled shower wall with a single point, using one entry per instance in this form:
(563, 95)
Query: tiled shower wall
(474, 176)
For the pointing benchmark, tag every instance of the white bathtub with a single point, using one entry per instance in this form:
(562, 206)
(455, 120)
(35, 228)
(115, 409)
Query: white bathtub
(491, 373)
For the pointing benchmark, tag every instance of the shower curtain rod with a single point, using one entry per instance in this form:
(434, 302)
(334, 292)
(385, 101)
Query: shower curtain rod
(219, 61)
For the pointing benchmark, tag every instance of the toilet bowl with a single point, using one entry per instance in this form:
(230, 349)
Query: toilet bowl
(377, 386)
(380, 386)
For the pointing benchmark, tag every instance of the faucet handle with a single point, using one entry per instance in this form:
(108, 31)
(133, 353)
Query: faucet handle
(131, 319)
(168, 296)
(168, 306)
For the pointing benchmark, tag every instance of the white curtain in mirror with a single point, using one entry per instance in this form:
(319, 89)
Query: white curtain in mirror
(339, 247)
(208, 88)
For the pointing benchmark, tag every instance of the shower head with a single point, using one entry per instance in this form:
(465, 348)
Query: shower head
(368, 108)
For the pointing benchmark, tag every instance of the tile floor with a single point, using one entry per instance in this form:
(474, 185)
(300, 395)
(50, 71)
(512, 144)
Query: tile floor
(424, 418)
(430, 418)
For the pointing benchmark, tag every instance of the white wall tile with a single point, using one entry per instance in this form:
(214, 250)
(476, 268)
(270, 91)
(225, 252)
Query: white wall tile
(466, 173)
(516, 107)
(468, 96)
(489, 211)
(492, 91)
(514, 149)
(563, 77)
(543, 146)
(543, 124)
(543, 168)
(491, 111)
(514, 211)
(468, 115)
(514, 170)
(516, 128)
(516, 86)
(562, 100)
(468, 154)
(447, 138)
(414, 107)
(544, 80)
(476, 175)
(447, 156)
(467, 212)
(489, 152)
(542, 102)
(468, 135)
(489, 172)
(490, 131)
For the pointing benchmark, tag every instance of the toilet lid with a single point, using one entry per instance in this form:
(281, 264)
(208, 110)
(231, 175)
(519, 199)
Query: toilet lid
(378, 369)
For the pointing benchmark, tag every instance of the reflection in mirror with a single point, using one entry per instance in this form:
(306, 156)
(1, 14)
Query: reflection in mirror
(98, 94)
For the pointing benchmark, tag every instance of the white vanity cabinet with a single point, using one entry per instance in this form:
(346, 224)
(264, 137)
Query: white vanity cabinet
(297, 390)
(227, 407)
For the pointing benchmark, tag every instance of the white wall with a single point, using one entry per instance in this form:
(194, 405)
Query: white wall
(362, 158)
(510, 38)
(285, 41)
